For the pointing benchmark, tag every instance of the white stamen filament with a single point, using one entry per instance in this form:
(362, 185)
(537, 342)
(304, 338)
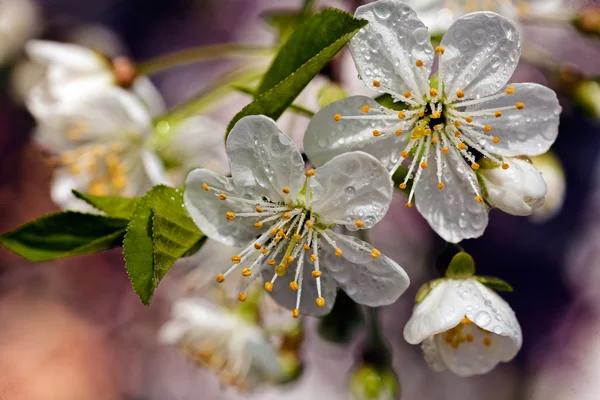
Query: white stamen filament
(414, 161)
(419, 171)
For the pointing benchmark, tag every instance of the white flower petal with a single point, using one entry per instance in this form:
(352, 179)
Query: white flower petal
(530, 131)
(145, 89)
(154, 168)
(326, 138)
(352, 186)
(482, 50)
(208, 210)
(432, 355)
(453, 299)
(370, 281)
(63, 83)
(263, 159)
(388, 48)
(285, 296)
(452, 212)
(61, 191)
(69, 55)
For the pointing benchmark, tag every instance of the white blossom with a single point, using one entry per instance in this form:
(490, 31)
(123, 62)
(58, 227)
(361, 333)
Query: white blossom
(519, 190)
(554, 176)
(217, 338)
(444, 130)
(283, 216)
(464, 327)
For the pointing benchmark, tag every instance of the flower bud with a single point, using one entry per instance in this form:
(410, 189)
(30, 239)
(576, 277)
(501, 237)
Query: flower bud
(370, 383)
(516, 190)
(554, 176)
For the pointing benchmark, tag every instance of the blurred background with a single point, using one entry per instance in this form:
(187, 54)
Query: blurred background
(74, 329)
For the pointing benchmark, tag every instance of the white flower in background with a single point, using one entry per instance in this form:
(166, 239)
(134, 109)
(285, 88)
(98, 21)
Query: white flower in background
(71, 70)
(438, 15)
(19, 21)
(105, 141)
(519, 190)
(287, 215)
(223, 341)
(464, 327)
(444, 130)
(554, 176)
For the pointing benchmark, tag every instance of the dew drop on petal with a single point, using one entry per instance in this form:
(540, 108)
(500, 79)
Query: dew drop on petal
(482, 319)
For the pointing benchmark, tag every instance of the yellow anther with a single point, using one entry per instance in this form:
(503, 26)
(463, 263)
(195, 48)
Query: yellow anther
(433, 92)
(375, 253)
(418, 132)
(376, 133)
(475, 166)
(466, 321)
(313, 258)
(295, 313)
(437, 127)
(457, 123)
(496, 139)
(520, 105)
(257, 246)
(306, 247)
(421, 113)
(223, 196)
(259, 209)
(445, 150)
(398, 132)
(337, 117)
(294, 285)
(359, 223)
(309, 173)
(297, 236)
(434, 140)
(440, 185)
(205, 187)
(469, 337)
(487, 342)
(439, 50)
(338, 252)
(408, 205)
(460, 94)
(401, 115)
(264, 251)
(402, 186)
(286, 190)
(289, 260)
(365, 109)
(479, 199)
(280, 270)
(424, 165)
(309, 224)
(498, 114)
(419, 63)
(487, 128)
(505, 166)
(268, 286)
(119, 182)
(98, 189)
(469, 120)
(236, 259)
(246, 272)
(258, 225)
(272, 261)
(461, 146)
(274, 231)
(436, 115)
(510, 90)
(316, 274)
(320, 302)
(230, 216)
(242, 297)
(220, 278)
(376, 83)
(407, 94)
(404, 154)
(287, 216)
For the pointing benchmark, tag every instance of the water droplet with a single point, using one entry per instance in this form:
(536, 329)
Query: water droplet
(482, 319)
(497, 329)
(350, 190)
(421, 35)
(383, 9)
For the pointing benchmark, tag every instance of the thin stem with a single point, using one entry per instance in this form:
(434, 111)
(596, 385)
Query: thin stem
(202, 53)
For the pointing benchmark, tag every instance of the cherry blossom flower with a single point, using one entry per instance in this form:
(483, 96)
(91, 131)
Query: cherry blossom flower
(284, 217)
(446, 131)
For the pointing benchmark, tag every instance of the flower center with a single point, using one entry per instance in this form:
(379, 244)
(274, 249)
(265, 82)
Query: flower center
(466, 332)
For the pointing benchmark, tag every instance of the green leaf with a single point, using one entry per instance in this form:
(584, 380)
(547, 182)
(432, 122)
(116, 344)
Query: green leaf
(113, 206)
(65, 234)
(330, 93)
(298, 109)
(299, 60)
(462, 266)
(399, 177)
(494, 283)
(387, 101)
(425, 289)
(159, 233)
